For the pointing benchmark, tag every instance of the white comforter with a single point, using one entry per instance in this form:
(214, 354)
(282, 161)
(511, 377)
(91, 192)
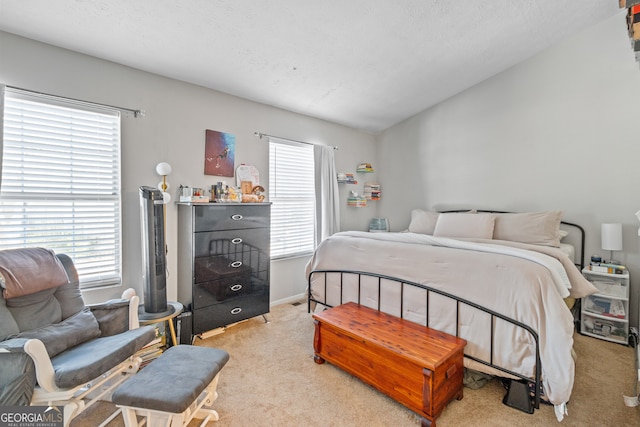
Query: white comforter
(524, 282)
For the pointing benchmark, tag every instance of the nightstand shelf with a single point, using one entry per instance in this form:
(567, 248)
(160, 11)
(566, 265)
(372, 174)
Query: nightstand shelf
(605, 315)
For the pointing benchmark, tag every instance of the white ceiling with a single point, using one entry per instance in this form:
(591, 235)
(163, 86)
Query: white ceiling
(368, 64)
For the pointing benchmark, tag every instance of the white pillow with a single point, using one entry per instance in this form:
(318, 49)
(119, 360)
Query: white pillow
(476, 226)
(422, 221)
(534, 228)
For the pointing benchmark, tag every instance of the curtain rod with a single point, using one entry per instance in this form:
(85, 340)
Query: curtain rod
(260, 135)
(136, 113)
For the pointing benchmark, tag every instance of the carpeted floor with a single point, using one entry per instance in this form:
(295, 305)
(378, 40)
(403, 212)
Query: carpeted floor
(271, 380)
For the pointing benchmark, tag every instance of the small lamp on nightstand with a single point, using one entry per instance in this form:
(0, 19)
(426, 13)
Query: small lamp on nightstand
(611, 239)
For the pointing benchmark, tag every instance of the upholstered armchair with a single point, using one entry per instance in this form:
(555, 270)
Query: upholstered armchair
(55, 350)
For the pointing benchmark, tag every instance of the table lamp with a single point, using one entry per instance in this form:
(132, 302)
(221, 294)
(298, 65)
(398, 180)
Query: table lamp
(611, 239)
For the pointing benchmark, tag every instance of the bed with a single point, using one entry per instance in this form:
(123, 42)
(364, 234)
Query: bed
(499, 280)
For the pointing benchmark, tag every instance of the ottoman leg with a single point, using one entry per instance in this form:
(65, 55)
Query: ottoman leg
(210, 395)
(129, 416)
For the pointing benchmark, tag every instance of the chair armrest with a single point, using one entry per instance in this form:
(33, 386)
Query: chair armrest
(36, 350)
(17, 373)
(117, 315)
(44, 369)
(134, 322)
(13, 345)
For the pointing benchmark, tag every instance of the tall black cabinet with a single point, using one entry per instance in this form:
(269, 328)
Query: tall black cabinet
(223, 262)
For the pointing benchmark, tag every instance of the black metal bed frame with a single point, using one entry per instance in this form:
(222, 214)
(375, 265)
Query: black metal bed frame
(535, 382)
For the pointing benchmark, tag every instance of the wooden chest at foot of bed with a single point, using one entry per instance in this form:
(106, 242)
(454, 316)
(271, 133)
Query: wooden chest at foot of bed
(417, 366)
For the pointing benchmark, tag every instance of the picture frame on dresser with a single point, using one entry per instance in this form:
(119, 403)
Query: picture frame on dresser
(223, 263)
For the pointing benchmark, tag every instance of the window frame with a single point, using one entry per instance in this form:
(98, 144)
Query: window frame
(292, 204)
(76, 206)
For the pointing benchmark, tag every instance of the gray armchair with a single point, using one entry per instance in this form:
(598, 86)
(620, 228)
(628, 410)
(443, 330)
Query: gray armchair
(54, 350)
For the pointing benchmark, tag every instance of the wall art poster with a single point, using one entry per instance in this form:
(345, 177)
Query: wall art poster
(219, 153)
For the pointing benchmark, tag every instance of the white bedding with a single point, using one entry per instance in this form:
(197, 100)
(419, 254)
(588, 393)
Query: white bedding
(524, 282)
(568, 250)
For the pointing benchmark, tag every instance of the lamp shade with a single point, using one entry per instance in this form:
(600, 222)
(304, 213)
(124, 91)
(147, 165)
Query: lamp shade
(611, 237)
(163, 168)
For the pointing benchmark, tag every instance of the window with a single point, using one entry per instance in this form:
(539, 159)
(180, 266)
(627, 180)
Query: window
(60, 181)
(292, 194)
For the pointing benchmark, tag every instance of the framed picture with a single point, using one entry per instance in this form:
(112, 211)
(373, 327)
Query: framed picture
(219, 153)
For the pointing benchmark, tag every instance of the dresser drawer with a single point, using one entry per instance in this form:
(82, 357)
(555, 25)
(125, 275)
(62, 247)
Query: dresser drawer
(231, 311)
(230, 217)
(231, 242)
(217, 291)
(217, 267)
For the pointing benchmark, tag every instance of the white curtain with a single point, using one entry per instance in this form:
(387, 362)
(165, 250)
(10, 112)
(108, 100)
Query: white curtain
(327, 197)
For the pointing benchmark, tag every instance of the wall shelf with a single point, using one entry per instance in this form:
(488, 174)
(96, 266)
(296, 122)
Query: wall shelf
(364, 168)
(346, 178)
(357, 202)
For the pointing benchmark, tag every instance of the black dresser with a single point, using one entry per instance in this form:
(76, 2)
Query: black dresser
(223, 262)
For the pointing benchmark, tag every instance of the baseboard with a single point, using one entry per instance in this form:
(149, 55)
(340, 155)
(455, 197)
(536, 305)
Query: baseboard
(634, 400)
(288, 300)
(634, 340)
(638, 360)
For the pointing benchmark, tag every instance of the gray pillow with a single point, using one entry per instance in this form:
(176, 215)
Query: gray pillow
(8, 325)
(35, 310)
(69, 294)
(58, 337)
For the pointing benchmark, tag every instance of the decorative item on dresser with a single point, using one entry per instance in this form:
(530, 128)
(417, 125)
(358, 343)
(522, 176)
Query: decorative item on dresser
(223, 262)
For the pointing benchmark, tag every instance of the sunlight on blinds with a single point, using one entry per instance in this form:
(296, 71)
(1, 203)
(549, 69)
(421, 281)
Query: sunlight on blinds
(60, 184)
(292, 194)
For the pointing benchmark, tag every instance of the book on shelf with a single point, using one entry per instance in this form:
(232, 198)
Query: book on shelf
(372, 191)
(346, 178)
(153, 350)
(358, 201)
(602, 267)
(149, 353)
(364, 167)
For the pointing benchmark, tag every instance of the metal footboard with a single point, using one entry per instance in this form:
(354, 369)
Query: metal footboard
(536, 381)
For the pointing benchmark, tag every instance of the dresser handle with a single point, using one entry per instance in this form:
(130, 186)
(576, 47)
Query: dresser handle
(236, 310)
(236, 241)
(236, 264)
(236, 217)
(236, 288)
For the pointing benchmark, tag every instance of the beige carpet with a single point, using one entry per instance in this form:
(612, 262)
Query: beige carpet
(271, 380)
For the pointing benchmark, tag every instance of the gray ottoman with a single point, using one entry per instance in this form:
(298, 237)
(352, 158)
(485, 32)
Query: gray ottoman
(174, 388)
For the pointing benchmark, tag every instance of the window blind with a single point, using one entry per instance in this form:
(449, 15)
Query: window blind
(60, 182)
(292, 194)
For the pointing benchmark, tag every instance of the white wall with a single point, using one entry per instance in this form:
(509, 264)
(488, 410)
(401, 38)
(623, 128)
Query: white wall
(177, 115)
(555, 132)
(559, 131)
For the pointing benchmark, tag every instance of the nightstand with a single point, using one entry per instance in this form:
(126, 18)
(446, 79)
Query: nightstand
(605, 315)
(176, 309)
